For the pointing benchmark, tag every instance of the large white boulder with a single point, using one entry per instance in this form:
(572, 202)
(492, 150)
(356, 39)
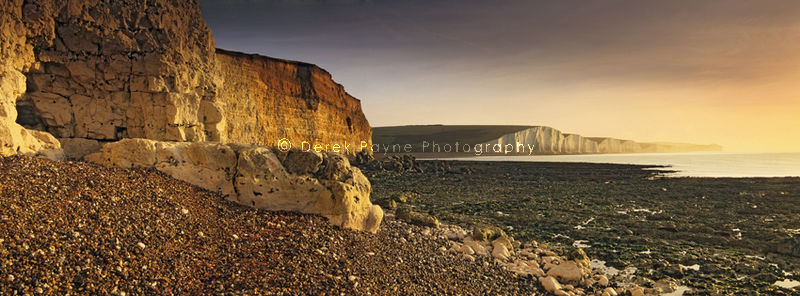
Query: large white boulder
(317, 183)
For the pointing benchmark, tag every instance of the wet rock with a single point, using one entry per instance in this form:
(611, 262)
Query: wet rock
(487, 233)
(579, 256)
(665, 285)
(400, 197)
(417, 218)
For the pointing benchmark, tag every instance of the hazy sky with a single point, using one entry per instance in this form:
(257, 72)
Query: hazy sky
(724, 72)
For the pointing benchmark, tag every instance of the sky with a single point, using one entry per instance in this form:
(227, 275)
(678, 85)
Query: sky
(725, 72)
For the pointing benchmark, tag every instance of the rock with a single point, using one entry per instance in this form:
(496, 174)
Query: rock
(579, 256)
(602, 281)
(500, 252)
(477, 247)
(392, 205)
(567, 272)
(609, 291)
(789, 246)
(504, 241)
(17, 55)
(302, 162)
(451, 234)
(532, 244)
(487, 233)
(550, 284)
(636, 291)
(528, 254)
(466, 250)
(561, 293)
(416, 218)
(400, 197)
(665, 285)
(260, 180)
(77, 148)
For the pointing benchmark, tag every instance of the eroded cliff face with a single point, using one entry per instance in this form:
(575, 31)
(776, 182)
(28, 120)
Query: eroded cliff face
(111, 70)
(16, 57)
(106, 71)
(267, 99)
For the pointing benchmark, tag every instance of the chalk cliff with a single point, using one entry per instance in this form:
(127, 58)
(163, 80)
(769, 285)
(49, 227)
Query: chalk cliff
(548, 140)
(545, 140)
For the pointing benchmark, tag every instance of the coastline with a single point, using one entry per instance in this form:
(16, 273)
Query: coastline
(712, 235)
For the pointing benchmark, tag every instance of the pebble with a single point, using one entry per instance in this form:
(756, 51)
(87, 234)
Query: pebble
(154, 210)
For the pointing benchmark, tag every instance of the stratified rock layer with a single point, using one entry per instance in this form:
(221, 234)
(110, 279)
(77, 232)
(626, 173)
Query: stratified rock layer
(255, 176)
(106, 71)
(265, 100)
(111, 70)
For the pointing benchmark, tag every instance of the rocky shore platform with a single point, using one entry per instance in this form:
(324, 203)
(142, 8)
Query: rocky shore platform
(690, 236)
(73, 228)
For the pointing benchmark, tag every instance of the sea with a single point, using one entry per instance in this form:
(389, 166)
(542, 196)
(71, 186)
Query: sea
(695, 164)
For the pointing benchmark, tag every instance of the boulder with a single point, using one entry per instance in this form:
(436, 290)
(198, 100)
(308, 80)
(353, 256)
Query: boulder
(500, 252)
(479, 248)
(417, 218)
(567, 272)
(550, 284)
(254, 176)
(504, 241)
(77, 148)
(487, 232)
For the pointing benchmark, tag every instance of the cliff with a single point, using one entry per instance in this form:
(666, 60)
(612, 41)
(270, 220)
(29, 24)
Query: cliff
(542, 139)
(273, 99)
(89, 71)
(16, 57)
(121, 82)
